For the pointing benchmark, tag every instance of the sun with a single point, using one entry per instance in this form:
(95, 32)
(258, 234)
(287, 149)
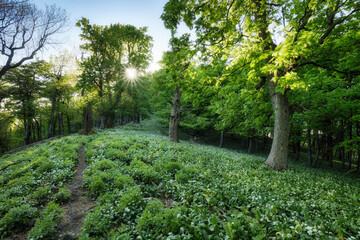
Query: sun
(131, 73)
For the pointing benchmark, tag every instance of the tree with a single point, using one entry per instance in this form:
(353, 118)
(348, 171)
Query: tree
(111, 50)
(26, 85)
(25, 30)
(176, 62)
(58, 88)
(270, 40)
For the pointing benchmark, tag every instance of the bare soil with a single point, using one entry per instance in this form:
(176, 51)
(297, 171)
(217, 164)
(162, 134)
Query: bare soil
(77, 208)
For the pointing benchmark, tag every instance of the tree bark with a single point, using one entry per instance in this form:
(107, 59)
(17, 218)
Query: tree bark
(61, 123)
(221, 139)
(309, 147)
(341, 149)
(330, 149)
(38, 128)
(51, 130)
(88, 119)
(317, 149)
(349, 155)
(175, 116)
(250, 147)
(27, 130)
(277, 158)
(68, 123)
(358, 150)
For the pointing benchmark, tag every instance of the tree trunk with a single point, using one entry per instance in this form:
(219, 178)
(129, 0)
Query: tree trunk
(61, 123)
(68, 123)
(51, 130)
(38, 128)
(330, 149)
(88, 119)
(277, 158)
(342, 150)
(27, 130)
(358, 150)
(317, 147)
(175, 116)
(221, 139)
(110, 119)
(309, 147)
(250, 147)
(350, 151)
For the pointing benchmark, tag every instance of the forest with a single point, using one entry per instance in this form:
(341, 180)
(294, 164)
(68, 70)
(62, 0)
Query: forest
(256, 101)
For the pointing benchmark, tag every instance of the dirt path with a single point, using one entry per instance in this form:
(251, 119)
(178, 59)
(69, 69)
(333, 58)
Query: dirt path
(78, 206)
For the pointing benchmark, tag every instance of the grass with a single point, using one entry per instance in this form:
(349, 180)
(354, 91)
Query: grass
(34, 177)
(148, 188)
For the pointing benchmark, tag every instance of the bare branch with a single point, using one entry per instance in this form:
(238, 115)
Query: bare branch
(25, 30)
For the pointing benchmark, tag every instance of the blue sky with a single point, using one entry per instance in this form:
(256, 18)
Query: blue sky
(139, 13)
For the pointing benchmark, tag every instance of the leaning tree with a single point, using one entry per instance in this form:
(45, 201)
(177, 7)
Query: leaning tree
(25, 30)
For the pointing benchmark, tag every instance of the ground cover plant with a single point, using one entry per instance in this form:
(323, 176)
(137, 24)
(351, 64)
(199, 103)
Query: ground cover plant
(33, 183)
(149, 188)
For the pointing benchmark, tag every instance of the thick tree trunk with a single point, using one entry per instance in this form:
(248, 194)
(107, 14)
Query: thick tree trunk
(88, 119)
(175, 116)
(27, 132)
(38, 129)
(110, 120)
(277, 158)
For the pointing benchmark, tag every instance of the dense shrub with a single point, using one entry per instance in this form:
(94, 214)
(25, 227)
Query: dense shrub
(156, 220)
(31, 180)
(186, 174)
(62, 196)
(144, 173)
(45, 225)
(17, 217)
(114, 209)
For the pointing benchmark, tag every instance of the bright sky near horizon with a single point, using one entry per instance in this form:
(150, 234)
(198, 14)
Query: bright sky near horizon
(139, 13)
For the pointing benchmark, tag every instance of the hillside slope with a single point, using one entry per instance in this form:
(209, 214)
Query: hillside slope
(148, 188)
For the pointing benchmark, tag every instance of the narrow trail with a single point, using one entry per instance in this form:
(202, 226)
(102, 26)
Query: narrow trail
(77, 208)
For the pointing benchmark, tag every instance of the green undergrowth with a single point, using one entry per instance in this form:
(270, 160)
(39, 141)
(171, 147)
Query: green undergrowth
(33, 183)
(149, 188)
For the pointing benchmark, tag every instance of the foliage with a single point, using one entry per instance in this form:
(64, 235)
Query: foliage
(176, 191)
(45, 226)
(204, 192)
(62, 196)
(32, 182)
(17, 216)
(112, 49)
(277, 46)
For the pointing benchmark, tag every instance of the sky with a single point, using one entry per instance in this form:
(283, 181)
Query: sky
(139, 13)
